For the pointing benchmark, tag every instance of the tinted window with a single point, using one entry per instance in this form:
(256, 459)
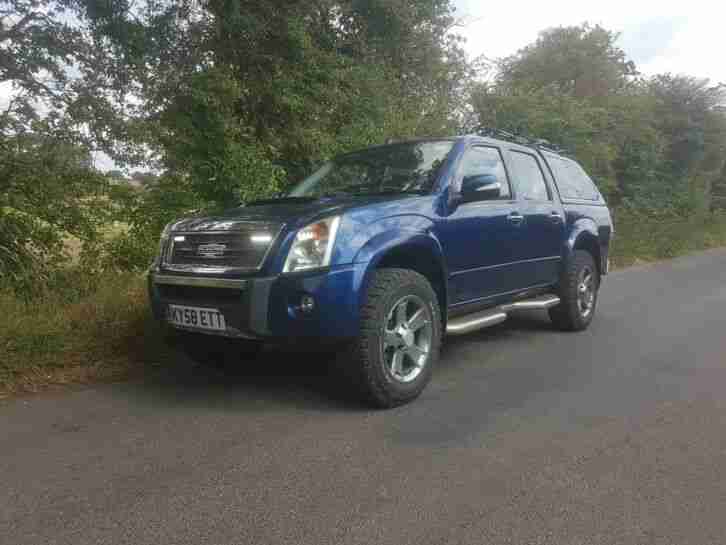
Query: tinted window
(584, 183)
(572, 181)
(411, 167)
(529, 178)
(482, 161)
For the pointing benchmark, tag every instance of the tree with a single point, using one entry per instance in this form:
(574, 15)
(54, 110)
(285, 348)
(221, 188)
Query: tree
(48, 188)
(228, 99)
(691, 116)
(718, 195)
(657, 143)
(47, 192)
(563, 120)
(144, 179)
(268, 86)
(581, 61)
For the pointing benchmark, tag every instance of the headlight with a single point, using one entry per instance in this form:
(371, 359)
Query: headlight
(313, 246)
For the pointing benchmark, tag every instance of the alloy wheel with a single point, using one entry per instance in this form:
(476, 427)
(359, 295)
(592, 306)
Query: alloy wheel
(407, 334)
(586, 291)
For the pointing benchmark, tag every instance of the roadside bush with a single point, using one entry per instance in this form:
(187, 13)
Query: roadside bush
(93, 324)
(643, 236)
(105, 333)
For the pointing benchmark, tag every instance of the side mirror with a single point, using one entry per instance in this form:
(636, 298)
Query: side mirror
(482, 187)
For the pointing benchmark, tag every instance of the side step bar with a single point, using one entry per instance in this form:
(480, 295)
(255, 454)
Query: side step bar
(492, 316)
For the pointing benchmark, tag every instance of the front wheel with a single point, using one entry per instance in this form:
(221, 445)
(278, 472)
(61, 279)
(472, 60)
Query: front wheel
(391, 361)
(578, 293)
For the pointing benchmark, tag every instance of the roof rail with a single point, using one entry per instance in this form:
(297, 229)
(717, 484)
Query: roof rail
(539, 143)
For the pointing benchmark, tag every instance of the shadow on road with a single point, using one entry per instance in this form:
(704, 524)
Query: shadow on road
(306, 379)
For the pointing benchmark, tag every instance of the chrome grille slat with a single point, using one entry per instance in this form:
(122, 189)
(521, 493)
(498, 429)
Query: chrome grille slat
(220, 250)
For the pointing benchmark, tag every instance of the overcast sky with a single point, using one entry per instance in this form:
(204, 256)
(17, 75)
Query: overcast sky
(663, 36)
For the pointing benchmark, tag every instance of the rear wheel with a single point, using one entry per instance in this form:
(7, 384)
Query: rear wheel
(578, 293)
(391, 361)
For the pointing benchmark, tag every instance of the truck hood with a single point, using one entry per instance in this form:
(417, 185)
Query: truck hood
(280, 211)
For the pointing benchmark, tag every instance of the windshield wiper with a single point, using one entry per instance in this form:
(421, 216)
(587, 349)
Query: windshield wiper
(400, 192)
(278, 200)
(338, 194)
(334, 194)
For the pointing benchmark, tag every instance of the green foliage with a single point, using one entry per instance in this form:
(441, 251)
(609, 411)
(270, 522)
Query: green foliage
(205, 140)
(644, 236)
(568, 121)
(227, 100)
(653, 144)
(579, 61)
(55, 118)
(638, 149)
(141, 217)
(284, 82)
(211, 103)
(217, 102)
(100, 333)
(47, 193)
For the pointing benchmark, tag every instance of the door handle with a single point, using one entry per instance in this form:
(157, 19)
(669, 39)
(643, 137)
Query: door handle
(515, 218)
(556, 217)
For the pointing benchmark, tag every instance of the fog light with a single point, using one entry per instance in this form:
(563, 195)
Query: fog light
(307, 304)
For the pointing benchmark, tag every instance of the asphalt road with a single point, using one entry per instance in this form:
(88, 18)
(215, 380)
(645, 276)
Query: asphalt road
(526, 435)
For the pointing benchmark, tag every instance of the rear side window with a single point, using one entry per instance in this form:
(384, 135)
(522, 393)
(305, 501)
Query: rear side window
(528, 175)
(572, 181)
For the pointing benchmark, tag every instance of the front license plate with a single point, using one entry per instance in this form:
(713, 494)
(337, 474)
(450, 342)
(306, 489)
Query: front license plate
(199, 318)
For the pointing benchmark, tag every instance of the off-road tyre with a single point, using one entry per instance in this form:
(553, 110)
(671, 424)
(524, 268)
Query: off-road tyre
(570, 314)
(363, 361)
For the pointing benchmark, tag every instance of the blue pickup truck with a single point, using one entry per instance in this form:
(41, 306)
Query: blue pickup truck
(382, 252)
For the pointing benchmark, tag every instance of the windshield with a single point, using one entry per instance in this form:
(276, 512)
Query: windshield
(398, 168)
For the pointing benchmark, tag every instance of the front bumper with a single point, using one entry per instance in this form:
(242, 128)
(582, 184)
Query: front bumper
(269, 308)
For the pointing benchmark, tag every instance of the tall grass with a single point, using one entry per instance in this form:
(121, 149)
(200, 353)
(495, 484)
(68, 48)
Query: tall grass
(85, 330)
(103, 334)
(641, 238)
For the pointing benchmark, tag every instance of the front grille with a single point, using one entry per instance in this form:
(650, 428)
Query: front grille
(242, 249)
